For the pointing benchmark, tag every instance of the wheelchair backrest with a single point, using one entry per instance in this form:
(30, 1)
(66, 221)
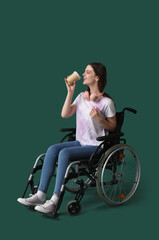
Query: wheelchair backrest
(120, 118)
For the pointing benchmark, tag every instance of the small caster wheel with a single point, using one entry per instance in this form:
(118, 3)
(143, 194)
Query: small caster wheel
(73, 208)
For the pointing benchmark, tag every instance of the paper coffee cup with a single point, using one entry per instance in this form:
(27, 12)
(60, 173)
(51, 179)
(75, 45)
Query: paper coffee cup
(73, 77)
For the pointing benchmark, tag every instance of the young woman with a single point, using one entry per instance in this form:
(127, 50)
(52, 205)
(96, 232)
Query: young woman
(95, 116)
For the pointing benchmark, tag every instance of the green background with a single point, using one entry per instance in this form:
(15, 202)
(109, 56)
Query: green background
(41, 43)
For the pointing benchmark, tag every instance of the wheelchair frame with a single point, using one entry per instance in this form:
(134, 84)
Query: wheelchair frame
(115, 157)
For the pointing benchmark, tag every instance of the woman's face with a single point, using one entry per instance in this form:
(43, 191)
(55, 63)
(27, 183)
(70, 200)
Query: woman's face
(89, 76)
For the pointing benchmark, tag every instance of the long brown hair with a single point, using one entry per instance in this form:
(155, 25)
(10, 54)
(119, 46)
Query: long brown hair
(101, 72)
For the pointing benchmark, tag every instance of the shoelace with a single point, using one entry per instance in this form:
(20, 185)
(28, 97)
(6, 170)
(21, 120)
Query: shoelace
(34, 197)
(48, 202)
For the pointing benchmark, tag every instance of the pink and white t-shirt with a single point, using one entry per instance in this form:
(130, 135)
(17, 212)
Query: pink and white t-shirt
(88, 129)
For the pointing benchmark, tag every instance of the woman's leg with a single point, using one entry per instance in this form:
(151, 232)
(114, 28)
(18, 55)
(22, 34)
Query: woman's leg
(65, 155)
(70, 154)
(47, 172)
(50, 162)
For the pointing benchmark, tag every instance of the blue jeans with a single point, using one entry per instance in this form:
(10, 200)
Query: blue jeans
(63, 153)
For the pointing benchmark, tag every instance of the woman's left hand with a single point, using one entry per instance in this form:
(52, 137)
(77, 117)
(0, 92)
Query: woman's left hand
(96, 114)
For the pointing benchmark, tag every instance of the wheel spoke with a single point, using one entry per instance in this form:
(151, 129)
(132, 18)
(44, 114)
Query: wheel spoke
(118, 182)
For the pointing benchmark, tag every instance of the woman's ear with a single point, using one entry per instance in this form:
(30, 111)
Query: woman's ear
(97, 78)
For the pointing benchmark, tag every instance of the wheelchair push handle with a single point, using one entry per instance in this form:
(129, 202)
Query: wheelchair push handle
(130, 110)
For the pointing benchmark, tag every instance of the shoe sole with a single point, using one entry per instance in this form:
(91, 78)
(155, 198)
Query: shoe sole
(49, 214)
(29, 204)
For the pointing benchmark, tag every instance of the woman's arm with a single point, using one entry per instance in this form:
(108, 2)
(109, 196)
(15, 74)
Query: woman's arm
(69, 109)
(108, 124)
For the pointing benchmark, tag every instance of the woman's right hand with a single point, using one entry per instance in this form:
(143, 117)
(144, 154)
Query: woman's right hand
(70, 88)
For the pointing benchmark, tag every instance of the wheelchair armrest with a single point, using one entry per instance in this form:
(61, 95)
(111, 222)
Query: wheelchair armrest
(73, 130)
(103, 139)
(110, 137)
(70, 135)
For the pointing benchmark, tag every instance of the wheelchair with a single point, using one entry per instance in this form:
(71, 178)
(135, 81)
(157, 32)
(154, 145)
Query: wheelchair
(114, 171)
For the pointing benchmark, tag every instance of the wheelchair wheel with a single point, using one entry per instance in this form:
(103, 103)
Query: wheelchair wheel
(118, 175)
(73, 208)
(75, 176)
(73, 187)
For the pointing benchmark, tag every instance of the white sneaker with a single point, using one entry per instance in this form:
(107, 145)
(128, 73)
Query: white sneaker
(48, 208)
(31, 202)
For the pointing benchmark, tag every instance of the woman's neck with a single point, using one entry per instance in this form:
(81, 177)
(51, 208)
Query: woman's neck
(94, 90)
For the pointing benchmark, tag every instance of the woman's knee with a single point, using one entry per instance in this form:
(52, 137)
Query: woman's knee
(52, 148)
(51, 154)
(64, 155)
